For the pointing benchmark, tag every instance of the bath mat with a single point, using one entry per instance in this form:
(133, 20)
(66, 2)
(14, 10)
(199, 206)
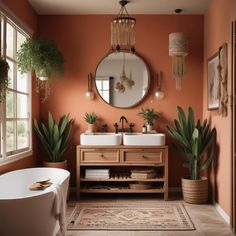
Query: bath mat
(161, 216)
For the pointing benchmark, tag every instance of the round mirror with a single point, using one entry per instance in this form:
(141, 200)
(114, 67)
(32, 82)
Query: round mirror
(122, 79)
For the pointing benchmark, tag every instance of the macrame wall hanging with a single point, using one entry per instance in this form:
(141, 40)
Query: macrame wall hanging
(222, 70)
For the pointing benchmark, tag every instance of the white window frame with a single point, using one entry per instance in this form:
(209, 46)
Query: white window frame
(8, 157)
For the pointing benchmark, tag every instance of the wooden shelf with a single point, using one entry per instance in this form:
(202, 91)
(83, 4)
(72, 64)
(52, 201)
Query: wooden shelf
(121, 164)
(122, 180)
(121, 191)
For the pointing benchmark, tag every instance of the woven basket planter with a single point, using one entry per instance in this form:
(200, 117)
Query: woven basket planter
(61, 164)
(195, 191)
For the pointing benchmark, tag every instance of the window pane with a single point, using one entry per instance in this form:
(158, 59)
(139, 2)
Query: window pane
(10, 136)
(22, 134)
(99, 84)
(22, 84)
(105, 84)
(10, 41)
(22, 106)
(10, 74)
(9, 104)
(106, 96)
(20, 40)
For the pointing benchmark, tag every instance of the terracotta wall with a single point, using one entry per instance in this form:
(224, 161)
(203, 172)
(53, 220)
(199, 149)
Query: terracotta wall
(29, 17)
(84, 40)
(217, 30)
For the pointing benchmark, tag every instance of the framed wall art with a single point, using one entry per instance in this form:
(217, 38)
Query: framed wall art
(213, 82)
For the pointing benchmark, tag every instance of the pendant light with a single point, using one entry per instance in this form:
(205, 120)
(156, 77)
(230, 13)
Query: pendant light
(123, 30)
(178, 50)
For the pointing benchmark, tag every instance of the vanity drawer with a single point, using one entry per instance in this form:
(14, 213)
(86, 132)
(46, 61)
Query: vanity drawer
(99, 155)
(143, 156)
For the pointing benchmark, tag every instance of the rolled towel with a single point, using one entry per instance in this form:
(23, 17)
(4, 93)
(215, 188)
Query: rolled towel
(60, 208)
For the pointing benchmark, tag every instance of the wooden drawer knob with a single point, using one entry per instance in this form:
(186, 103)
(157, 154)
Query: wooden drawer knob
(144, 156)
(102, 156)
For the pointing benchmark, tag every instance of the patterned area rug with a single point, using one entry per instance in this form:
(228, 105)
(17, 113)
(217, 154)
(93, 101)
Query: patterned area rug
(162, 216)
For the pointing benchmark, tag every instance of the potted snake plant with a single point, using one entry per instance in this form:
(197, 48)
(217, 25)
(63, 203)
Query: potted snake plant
(193, 140)
(91, 119)
(54, 138)
(4, 67)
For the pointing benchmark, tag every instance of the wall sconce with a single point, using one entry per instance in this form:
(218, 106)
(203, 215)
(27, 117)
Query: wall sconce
(90, 93)
(159, 94)
(178, 50)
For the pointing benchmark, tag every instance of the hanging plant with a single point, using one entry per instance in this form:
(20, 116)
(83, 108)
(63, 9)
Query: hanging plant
(42, 56)
(4, 67)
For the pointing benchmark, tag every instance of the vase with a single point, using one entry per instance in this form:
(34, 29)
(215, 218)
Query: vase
(149, 128)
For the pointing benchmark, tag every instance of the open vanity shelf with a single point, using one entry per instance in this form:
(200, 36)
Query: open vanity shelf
(121, 161)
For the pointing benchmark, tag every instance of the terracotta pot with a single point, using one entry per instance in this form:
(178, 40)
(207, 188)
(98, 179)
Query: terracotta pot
(195, 191)
(61, 164)
(91, 128)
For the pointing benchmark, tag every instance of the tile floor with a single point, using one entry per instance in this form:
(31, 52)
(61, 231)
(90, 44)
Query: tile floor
(206, 219)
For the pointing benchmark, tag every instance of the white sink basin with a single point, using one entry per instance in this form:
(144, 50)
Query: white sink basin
(140, 139)
(101, 139)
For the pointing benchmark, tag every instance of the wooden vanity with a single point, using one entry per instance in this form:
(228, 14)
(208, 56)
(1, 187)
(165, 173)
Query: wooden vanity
(120, 160)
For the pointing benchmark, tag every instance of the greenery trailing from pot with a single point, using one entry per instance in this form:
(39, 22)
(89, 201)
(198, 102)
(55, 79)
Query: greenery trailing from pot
(193, 141)
(40, 55)
(149, 115)
(4, 82)
(90, 118)
(54, 137)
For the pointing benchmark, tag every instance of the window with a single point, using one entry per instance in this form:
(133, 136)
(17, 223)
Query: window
(15, 112)
(103, 86)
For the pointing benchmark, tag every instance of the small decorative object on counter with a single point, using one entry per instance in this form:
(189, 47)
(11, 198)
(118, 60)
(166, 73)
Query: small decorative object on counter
(144, 129)
(91, 119)
(149, 115)
(104, 128)
(131, 126)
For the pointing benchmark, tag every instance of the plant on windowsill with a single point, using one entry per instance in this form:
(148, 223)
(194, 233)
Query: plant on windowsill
(4, 67)
(193, 141)
(54, 138)
(149, 115)
(91, 119)
(42, 56)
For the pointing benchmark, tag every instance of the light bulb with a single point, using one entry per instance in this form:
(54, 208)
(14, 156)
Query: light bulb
(159, 94)
(90, 95)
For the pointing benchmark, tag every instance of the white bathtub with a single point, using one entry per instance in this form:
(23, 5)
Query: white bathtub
(30, 213)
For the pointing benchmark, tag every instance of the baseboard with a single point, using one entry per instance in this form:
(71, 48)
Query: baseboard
(222, 213)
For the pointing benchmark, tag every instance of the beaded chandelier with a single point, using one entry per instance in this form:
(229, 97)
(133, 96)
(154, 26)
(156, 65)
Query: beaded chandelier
(123, 30)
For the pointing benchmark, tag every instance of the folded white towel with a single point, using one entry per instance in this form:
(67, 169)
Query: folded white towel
(60, 208)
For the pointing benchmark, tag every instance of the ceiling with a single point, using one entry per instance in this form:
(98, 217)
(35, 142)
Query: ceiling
(82, 7)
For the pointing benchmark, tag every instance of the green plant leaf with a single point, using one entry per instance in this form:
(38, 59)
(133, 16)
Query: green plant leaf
(207, 162)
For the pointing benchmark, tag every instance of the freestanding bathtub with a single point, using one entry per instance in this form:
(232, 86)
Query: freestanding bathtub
(30, 213)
